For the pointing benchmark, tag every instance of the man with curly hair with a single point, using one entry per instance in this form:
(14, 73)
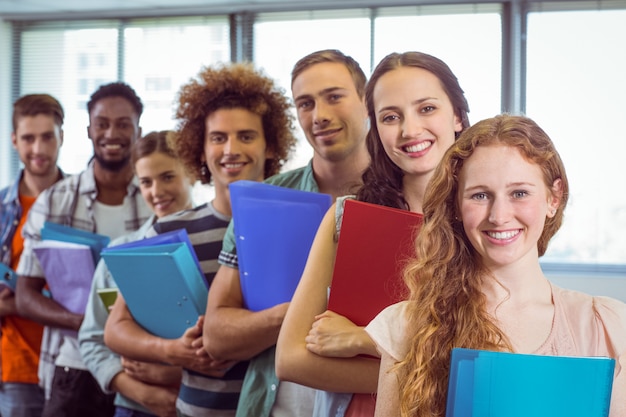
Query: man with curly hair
(235, 124)
(328, 89)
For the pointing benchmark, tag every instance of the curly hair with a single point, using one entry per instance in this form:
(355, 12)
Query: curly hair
(382, 180)
(447, 308)
(116, 89)
(228, 86)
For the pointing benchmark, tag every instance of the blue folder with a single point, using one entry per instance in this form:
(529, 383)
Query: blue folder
(274, 229)
(174, 236)
(501, 384)
(162, 286)
(8, 277)
(55, 231)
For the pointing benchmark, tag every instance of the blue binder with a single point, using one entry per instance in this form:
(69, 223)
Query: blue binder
(501, 384)
(8, 277)
(174, 236)
(162, 286)
(55, 231)
(274, 229)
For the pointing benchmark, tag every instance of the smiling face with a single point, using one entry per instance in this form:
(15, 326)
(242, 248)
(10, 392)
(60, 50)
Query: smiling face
(330, 111)
(163, 183)
(235, 146)
(37, 140)
(415, 119)
(504, 203)
(113, 128)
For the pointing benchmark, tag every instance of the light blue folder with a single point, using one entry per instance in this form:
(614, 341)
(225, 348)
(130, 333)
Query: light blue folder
(500, 384)
(55, 231)
(8, 277)
(174, 236)
(274, 229)
(162, 286)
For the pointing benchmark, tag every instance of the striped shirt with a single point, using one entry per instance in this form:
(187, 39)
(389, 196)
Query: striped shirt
(201, 395)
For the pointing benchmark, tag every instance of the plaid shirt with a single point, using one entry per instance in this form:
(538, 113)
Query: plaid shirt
(69, 202)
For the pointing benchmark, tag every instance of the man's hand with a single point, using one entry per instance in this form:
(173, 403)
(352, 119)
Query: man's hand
(153, 373)
(188, 352)
(7, 302)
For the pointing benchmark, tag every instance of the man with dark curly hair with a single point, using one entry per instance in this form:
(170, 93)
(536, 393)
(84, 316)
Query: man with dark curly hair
(235, 124)
(328, 89)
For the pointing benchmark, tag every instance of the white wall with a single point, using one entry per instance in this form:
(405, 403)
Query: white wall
(612, 286)
(5, 98)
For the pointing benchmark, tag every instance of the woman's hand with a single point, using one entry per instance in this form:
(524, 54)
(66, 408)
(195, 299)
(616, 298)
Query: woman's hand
(333, 335)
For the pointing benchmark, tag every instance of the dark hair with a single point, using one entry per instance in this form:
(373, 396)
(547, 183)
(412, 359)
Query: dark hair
(34, 104)
(332, 55)
(382, 180)
(116, 89)
(229, 86)
(158, 141)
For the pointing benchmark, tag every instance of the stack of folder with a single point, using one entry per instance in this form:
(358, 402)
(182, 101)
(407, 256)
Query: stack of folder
(274, 229)
(499, 384)
(68, 257)
(374, 244)
(161, 282)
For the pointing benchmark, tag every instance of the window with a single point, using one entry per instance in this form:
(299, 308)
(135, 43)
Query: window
(574, 59)
(158, 57)
(466, 37)
(281, 39)
(576, 93)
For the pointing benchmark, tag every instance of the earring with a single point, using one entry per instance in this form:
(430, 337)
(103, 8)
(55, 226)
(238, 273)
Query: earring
(553, 212)
(204, 170)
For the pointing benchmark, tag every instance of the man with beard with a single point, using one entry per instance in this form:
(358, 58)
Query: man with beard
(37, 137)
(103, 199)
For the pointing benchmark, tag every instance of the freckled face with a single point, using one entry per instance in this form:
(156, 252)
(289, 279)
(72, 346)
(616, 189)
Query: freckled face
(504, 202)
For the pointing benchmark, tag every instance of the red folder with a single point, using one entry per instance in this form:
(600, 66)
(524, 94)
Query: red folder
(374, 244)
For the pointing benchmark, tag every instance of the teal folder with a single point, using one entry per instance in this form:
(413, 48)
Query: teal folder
(274, 229)
(501, 384)
(162, 286)
(8, 277)
(55, 231)
(174, 236)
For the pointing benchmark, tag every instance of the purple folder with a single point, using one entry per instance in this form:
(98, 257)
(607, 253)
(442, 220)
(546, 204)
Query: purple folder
(69, 270)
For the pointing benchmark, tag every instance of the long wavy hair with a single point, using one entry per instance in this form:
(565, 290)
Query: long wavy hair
(382, 180)
(229, 86)
(446, 307)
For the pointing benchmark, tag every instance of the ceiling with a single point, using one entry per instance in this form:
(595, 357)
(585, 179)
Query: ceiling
(82, 9)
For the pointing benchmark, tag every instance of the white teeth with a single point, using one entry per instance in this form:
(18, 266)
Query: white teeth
(113, 146)
(233, 166)
(503, 235)
(419, 147)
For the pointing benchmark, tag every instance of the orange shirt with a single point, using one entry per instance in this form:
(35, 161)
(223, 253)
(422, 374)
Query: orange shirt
(21, 338)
